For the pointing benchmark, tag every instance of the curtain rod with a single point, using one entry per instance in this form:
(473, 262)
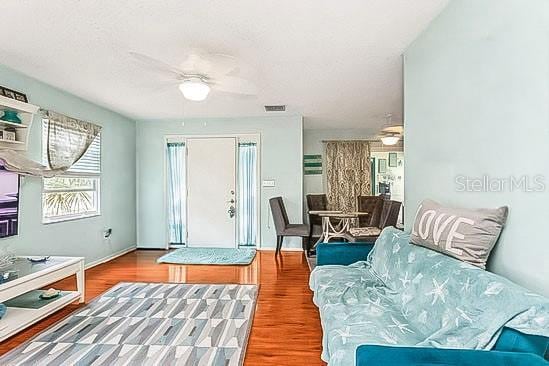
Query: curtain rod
(361, 140)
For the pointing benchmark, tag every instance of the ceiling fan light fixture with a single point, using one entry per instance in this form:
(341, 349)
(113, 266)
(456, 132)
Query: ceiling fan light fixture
(194, 89)
(389, 140)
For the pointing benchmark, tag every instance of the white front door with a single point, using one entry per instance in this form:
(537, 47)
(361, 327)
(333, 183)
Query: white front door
(211, 199)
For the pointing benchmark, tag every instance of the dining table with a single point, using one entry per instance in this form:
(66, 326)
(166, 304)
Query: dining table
(344, 222)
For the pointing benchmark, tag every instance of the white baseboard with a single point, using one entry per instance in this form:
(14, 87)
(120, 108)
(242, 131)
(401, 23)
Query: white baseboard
(283, 249)
(110, 257)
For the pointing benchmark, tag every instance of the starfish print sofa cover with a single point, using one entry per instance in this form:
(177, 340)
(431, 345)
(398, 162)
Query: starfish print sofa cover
(411, 296)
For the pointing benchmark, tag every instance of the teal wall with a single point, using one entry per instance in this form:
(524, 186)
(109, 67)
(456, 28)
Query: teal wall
(477, 103)
(281, 160)
(80, 237)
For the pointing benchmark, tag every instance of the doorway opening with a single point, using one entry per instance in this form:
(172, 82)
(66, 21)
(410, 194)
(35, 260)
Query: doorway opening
(388, 176)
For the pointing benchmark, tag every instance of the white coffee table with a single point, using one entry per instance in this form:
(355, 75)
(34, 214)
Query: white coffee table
(25, 276)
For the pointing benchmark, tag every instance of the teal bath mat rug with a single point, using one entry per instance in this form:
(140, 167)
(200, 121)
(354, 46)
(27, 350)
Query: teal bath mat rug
(220, 256)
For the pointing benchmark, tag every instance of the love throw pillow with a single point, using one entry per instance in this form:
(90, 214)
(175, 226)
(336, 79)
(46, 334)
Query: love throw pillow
(465, 234)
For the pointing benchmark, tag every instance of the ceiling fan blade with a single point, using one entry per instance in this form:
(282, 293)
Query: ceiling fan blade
(212, 65)
(235, 85)
(158, 65)
(158, 85)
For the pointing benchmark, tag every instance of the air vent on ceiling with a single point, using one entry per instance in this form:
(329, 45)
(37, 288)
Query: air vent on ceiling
(275, 108)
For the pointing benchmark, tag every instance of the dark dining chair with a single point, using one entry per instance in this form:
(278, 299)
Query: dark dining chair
(315, 202)
(389, 214)
(373, 206)
(283, 227)
(388, 217)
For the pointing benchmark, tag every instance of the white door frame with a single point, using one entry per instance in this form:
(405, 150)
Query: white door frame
(242, 137)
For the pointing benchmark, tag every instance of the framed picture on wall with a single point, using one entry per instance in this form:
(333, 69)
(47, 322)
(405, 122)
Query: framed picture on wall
(21, 97)
(392, 160)
(13, 94)
(312, 164)
(382, 166)
(8, 93)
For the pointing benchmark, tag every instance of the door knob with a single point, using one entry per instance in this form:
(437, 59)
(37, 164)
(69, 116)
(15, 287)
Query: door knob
(231, 211)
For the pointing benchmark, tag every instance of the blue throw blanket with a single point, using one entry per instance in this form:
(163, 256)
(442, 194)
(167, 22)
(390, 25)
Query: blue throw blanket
(411, 296)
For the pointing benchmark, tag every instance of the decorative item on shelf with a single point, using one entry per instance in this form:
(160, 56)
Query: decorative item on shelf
(9, 134)
(9, 275)
(8, 93)
(50, 294)
(13, 94)
(3, 310)
(10, 116)
(38, 259)
(21, 97)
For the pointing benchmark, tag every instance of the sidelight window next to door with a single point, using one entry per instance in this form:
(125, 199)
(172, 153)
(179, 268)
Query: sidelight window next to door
(177, 195)
(247, 196)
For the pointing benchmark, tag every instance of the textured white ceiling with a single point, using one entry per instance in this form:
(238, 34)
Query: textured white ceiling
(335, 62)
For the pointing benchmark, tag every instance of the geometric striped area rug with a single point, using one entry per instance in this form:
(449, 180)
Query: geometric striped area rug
(149, 324)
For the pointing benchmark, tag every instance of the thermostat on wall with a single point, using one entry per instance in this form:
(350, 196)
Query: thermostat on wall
(269, 183)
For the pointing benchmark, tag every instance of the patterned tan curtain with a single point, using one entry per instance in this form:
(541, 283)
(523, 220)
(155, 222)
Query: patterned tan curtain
(68, 139)
(347, 173)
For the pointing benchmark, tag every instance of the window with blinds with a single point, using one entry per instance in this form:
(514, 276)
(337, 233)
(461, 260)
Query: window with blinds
(89, 163)
(75, 194)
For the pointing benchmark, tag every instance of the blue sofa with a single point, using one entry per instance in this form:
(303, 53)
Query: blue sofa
(394, 303)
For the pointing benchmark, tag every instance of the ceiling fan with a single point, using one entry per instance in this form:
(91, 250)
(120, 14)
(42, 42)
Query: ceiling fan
(201, 72)
(392, 132)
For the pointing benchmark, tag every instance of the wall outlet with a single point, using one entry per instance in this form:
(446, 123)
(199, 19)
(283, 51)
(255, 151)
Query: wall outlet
(107, 236)
(107, 233)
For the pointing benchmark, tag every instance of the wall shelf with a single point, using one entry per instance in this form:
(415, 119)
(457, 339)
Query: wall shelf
(15, 105)
(4, 141)
(26, 113)
(12, 124)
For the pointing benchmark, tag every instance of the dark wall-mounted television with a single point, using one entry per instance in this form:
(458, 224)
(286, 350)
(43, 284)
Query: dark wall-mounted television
(9, 203)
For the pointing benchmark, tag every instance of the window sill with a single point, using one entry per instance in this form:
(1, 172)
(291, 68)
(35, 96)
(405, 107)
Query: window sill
(69, 218)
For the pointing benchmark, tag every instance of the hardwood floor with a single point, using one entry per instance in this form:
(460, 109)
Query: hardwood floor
(286, 327)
